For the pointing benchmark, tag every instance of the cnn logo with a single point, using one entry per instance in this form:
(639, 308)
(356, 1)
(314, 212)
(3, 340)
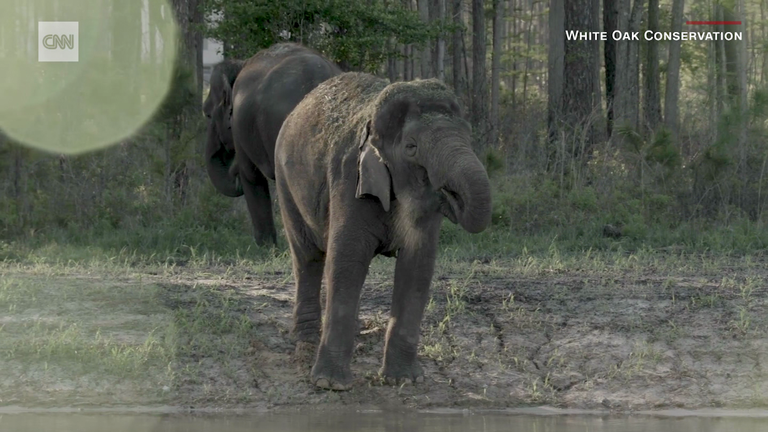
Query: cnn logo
(57, 41)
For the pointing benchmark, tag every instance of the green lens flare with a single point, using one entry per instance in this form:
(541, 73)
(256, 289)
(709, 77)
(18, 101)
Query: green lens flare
(81, 75)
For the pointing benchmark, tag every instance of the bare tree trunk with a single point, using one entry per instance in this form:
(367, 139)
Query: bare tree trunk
(479, 79)
(424, 55)
(634, 65)
(722, 86)
(598, 134)
(505, 26)
(764, 36)
(741, 70)
(610, 24)
(513, 79)
(466, 63)
(732, 63)
(456, 43)
(391, 61)
(743, 60)
(407, 74)
(527, 55)
(541, 65)
(671, 108)
(440, 72)
(627, 85)
(498, 16)
(712, 81)
(580, 97)
(555, 67)
(189, 17)
(651, 99)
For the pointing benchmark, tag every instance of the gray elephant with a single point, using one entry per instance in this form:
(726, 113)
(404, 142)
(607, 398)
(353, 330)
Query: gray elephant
(362, 168)
(241, 135)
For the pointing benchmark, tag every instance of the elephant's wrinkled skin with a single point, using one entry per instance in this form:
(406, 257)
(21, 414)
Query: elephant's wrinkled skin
(364, 167)
(247, 105)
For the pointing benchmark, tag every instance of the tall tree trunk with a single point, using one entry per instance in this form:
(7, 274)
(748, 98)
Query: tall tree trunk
(528, 34)
(479, 80)
(440, 71)
(555, 64)
(764, 36)
(651, 96)
(712, 81)
(597, 64)
(626, 97)
(407, 62)
(634, 65)
(391, 60)
(458, 86)
(610, 24)
(722, 85)
(580, 97)
(673, 70)
(425, 54)
(732, 63)
(741, 72)
(498, 16)
(189, 17)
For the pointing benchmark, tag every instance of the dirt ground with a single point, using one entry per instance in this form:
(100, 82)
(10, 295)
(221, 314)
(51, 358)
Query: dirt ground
(496, 335)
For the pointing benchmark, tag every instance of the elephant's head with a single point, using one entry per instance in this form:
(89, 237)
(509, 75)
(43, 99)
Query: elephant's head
(222, 74)
(220, 148)
(416, 144)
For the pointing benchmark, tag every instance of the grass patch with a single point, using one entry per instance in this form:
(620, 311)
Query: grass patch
(137, 342)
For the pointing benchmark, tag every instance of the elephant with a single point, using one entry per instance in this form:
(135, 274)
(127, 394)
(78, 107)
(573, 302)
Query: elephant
(247, 104)
(364, 167)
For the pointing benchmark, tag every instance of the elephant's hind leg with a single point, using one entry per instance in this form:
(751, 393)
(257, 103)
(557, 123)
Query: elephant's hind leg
(308, 272)
(308, 263)
(256, 191)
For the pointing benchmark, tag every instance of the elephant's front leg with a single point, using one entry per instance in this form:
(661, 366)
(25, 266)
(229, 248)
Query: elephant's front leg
(256, 191)
(349, 255)
(413, 275)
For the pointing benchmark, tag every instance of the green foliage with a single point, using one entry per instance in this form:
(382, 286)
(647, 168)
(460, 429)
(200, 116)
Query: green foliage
(181, 95)
(758, 108)
(660, 148)
(358, 35)
(494, 162)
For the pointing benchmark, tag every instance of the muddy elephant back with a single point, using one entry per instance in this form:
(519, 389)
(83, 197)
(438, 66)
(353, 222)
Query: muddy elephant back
(334, 110)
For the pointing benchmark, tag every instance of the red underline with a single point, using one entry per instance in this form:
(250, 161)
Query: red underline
(713, 22)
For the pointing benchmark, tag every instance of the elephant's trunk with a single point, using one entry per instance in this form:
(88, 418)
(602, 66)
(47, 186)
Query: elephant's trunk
(219, 164)
(463, 181)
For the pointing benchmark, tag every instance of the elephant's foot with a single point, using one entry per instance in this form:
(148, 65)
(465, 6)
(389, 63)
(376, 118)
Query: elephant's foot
(329, 374)
(399, 372)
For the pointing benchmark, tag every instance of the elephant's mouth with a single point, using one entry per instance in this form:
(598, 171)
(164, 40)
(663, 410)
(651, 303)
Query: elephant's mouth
(452, 205)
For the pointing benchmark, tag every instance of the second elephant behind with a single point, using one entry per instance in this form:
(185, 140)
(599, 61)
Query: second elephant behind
(247, 105)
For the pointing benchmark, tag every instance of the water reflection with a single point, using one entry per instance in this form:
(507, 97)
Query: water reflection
(378, 422)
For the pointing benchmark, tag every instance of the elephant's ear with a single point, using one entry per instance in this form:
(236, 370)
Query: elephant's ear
(372, 174)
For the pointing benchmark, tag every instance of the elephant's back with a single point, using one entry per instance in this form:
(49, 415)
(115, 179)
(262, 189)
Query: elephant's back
(284, 87)
(318, 142)
(340, 106)
(269, 87)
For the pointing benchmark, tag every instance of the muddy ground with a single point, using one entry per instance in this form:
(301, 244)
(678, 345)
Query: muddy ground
(495, 335)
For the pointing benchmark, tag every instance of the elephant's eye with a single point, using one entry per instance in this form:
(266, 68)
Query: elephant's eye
(410, 148)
